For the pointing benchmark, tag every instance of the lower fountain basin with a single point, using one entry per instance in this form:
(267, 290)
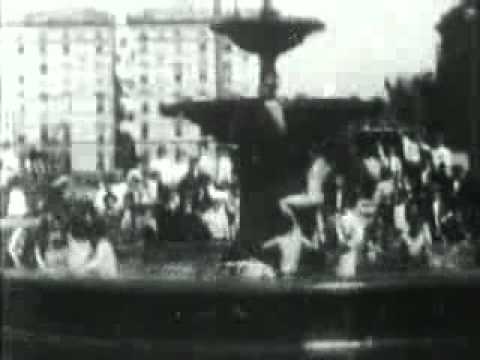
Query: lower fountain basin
(406, 316)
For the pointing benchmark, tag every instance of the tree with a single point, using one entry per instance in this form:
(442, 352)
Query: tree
(454, 72)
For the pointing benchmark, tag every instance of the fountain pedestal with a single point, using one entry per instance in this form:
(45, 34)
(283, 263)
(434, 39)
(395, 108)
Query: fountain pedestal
(267, 165)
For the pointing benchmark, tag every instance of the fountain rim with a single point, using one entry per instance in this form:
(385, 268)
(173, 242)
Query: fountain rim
(293, 21)
(332, 286)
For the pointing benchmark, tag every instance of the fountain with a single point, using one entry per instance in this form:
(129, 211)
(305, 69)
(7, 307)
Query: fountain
(278, 35)
(266, 153)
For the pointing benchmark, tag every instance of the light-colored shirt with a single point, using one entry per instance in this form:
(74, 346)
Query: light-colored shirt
(339, 200)
(10, 166)
(440, 155)
(436, 213)
(373, 167)
(171, 172)
(385, 190)
(208, 165)
(395, 165)
(104, 261)
(399, 217)
(216, 220)
(411, 151)
(351, 230)
(17, 203)
(78, 253)
(225, 170)
(416, 244)
(160, 165)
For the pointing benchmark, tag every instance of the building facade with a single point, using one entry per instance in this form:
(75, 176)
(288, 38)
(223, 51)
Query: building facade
(170, 56)
(69, 72)
(59, 84)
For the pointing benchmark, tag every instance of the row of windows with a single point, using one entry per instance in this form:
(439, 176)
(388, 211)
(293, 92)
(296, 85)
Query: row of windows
(161, 34)
(178, 76)
(100, 100)
(99, 49)
(67, 35)
(99, 35)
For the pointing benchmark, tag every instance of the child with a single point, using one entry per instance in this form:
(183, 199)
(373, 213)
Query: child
(291, 246)
(351, 236)
(417, 238)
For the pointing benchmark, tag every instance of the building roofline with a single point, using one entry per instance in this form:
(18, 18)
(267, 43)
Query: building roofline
(61, 18)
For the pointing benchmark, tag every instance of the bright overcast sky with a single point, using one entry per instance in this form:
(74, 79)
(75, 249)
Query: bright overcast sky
(365, 40)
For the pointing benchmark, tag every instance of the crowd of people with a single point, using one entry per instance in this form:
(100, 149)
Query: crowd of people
(172, 197)
(399, 203)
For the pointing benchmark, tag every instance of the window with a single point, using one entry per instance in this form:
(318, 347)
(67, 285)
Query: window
(100, 161)
(178, 47)
(21, 49)
(43, 36)
(145, 108)
(21, 79)
(178, 128)
(143, 36)
(160, 59)
(43, 69)
(178, 73)
(177, 33)
(66, 49)
(43, 97)
(101, 139)
(44, 134)
(144, 79)
(100, 65)
(98, 35)
(145, 131)
(99, 49)
(228, 47)
(123, 42)
(144, 64)
(227, 72)
(65, 36)
(43, 48)
(100, 103)
(203, 76)
(203, 46)
(203, 34)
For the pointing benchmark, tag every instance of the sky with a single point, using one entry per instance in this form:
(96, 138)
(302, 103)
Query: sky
(365, 41)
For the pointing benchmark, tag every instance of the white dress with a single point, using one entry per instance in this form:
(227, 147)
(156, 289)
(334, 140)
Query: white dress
(351, 230)
(78, 253)
(104, 262)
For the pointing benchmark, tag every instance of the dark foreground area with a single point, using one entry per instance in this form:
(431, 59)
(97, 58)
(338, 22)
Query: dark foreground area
(409, 316)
